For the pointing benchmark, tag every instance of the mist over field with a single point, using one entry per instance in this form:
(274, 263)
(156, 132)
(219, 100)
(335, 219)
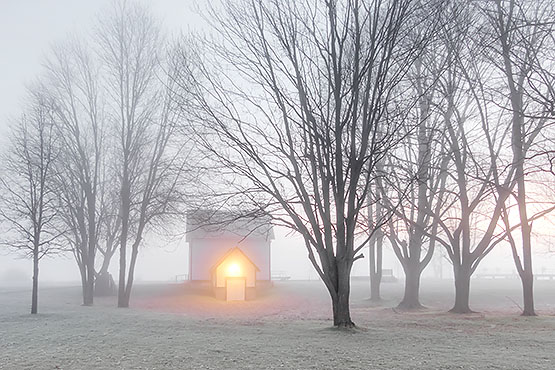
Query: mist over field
(262, 184)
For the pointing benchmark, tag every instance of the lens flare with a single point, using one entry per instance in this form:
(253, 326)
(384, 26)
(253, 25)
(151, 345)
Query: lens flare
(234, 270)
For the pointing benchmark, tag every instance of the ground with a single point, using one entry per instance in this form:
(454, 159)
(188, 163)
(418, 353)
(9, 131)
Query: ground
(175, 326)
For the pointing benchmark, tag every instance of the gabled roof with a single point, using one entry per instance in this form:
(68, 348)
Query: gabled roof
(210, 223)
(229, 253)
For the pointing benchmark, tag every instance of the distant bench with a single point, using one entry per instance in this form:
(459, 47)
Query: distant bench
(387, 277)
(181, 278)
(280, 275)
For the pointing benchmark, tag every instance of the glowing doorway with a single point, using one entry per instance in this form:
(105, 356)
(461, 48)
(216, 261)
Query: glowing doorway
(235, 288)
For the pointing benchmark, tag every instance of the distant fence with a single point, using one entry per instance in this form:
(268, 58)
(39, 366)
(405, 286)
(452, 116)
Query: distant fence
(544, 276)
(514, 276)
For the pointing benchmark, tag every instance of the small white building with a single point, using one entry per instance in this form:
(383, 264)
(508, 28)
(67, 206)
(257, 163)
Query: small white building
(234, 276)
(220, 238)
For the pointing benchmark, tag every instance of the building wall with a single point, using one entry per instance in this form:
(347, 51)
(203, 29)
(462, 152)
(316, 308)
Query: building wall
(205, 252)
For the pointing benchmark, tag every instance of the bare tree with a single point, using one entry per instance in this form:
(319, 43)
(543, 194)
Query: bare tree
(522, 33)
(149, 152)
(28, 203)
(413, 182)
(482, 173)
(473, 141)
(295, 106)
(73, 85)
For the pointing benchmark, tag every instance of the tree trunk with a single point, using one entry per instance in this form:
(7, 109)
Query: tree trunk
(88, 298)
(121, 283)
(125, 205)
(411, 298)
(375, 282)
(131, 274)
(122, 265)
(375, 260)
(528, 293)
(91, 247)
(104, 284)
(462, 290)
(35, 293)
(340, 300)
(87, 294)
(88, 289)
(83, 272)
(527, 275)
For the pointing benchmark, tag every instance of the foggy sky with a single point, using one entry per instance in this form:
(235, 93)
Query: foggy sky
(29, 27)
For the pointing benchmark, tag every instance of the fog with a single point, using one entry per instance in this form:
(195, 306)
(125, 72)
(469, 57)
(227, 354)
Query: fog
(27, 30)
(210, 184)
(164, 261)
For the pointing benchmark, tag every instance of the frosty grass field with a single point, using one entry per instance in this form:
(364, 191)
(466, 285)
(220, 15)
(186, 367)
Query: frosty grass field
(173, 326)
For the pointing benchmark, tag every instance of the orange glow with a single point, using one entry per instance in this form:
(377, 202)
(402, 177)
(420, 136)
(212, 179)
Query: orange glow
(234, 270)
